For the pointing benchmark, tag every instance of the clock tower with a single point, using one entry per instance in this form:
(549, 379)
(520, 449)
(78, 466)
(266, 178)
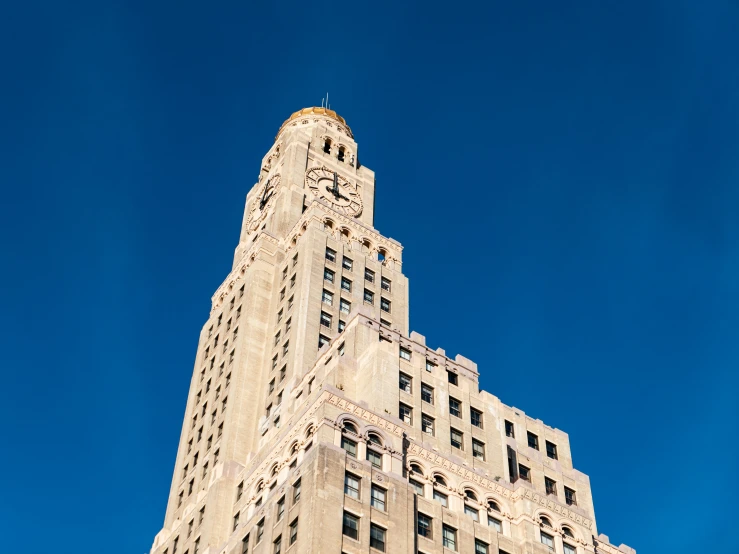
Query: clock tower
(317, 423)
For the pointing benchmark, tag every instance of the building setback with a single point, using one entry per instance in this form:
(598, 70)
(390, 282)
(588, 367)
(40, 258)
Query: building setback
(316, 423)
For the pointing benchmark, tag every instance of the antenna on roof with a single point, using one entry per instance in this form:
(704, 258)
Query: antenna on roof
(324, 102)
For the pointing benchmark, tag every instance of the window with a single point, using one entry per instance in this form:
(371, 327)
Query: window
(350, 526)
(427, 424)
(351, 485)
(290, 302)
(452, 378)
(294, 531)
(551, 486)
(570, 497)
(476, 417)
(280, 508)
(378, 498)
(478, 450)
(385, 284)
(260, 531)
(524, 472)
(347, 263)
(245, 545)
(277, 338)
(236, 521)
(405, 354)
(271, 386)
(533, 440)
(284, 274)
(480, 547)
(283, 373)
(569, 549)
(274, 362)
(430, 366)
(449, 537)
(427, 393)
(174, 544)
(341, 327)
(295, 260)
(369, 275)
(296, 491)
(455, 407)
(330, 255)
(328, 275)
(277, 545)
(322, 340)
(377, 537)
(417, 487)
(201, 515)
(406, 414)
(282, 293)
(385, 322)
(285, 348)
(495, 524)
(509, 432)
(404, 383)
(551, 450)
(441, 498)
(547, 540)
(288, 324)
(345, 306)
(385, 305)
(472, 512)
(346, 284)
(424, 525)
(456, 439)
(327, 298)
(375, 458)
(350, 446)
(369, 297)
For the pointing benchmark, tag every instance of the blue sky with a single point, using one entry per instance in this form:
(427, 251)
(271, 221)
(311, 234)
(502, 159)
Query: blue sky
(564, 178)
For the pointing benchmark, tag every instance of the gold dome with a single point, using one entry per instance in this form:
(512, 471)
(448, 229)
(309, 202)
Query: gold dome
(316, 111)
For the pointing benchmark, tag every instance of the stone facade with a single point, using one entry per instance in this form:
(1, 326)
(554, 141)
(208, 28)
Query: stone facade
(316, 423)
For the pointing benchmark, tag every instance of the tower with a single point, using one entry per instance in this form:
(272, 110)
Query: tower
(316, 423)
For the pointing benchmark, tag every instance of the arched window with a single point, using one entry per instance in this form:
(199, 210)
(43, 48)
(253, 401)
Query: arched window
(349, 427)
(469, 493)
(274, 471)
(493, 505)
(309, 432)
(294, 449)
(341, 153)
(327, 146)
(568, 532)
(545, 521)
(381, 254)
(439, 480)
(374, 438)
(415, 468)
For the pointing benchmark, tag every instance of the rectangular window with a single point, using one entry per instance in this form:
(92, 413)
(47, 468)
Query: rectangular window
(282, 293)
(345, 306)
(377, 537)
(294, 531)
(295, 260)
(551, 450)
(283, 373)
(245, 545)
(322, 340)
(350, 526)
(533, 440)
(551, 486)
(456, 439)
(547, 540)
(369, 275)
(328, 275)
(385, 305)
(346, 284)
(271, 386)
(327, 298)
(509, 432)
(570, 497)
(260, 531)
(236, 521)
(280, 508)
(406, 414)
(495, 524)
(378, 498)
(341, 326)
(385, 284)
(476, 417)
(375, 458)
(427, 393)
(427, 424)
(288, 324)
(449, 537)
(478, 450)
(524, 473)
(405, 354)
(330, 255)
(347, 263)
(284, 274)
(480, 547)
(424, 526)
(417, 487)
(455, 407)
(472, 512)
(441, 498)
(350, 446)
(430, 366)
(369, 297)
(285, 348)
(452, 378)
(569, 549)
(404, 383)
(277, 545)
(351, 485)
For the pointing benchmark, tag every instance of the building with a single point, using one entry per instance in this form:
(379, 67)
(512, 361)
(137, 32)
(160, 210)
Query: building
(316, 423)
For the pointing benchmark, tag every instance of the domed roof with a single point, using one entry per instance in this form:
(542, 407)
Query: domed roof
(316, 111)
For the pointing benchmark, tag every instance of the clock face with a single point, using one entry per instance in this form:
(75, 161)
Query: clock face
(262, 203)
(340, 194)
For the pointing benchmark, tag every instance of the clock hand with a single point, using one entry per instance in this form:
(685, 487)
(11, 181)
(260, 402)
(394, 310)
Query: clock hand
(263, 201)
(335, 190)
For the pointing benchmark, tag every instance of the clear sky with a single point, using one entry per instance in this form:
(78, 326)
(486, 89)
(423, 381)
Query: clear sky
(564, 178)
